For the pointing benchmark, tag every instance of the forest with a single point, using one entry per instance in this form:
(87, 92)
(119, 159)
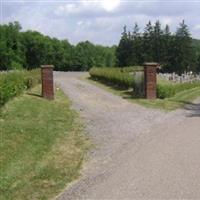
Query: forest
(31, 49)
(175, 52)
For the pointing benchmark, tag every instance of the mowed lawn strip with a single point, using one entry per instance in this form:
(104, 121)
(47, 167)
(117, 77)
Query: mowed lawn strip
(179, 100)
(43, 145)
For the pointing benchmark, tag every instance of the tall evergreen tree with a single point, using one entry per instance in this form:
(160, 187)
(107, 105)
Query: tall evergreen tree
(167, 48)
(183, 54)
(157, 43)
(137, 46)
(124, 50)
(166, 40)
(148, 43)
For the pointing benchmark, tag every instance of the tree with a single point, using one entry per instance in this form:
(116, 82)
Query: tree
(148, 43)
(157, 43)
(198, 64)
(84, 56)
(137, 46)
(35, 49)
(183, 57)
(167, 47)
(11, 55)
(124, 50)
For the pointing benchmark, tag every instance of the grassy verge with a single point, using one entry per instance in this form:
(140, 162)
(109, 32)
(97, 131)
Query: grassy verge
(177, 101)
(42, 146)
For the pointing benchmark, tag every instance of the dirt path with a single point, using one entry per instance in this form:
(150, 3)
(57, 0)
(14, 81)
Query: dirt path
(134, 157)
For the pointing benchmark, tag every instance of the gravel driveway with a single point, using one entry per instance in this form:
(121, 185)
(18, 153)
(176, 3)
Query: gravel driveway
(139, 152)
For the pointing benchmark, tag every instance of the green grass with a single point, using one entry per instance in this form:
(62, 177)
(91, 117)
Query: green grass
(42, 146)
(177, 101)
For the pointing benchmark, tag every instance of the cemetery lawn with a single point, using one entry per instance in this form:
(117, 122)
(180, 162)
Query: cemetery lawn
(177, 101)
(43, 146)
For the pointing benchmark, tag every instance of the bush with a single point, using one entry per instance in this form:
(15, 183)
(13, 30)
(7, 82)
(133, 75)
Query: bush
(113, 76)
(169, 90)
(33, 77)
(13, 83)
(165, 91)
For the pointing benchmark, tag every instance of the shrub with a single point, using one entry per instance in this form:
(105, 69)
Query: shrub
(13, 83)
(33, 77)
(165, 91)
(113, 76)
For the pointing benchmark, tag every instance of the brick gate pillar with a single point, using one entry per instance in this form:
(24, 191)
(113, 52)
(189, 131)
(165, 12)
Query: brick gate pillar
(150, 78)
(47, 81)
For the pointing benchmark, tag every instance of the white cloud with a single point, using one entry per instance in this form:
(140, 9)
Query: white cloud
(110, 5)
(78, 9)
(68, 9)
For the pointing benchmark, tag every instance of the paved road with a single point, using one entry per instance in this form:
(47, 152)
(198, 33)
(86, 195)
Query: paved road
(140, 153)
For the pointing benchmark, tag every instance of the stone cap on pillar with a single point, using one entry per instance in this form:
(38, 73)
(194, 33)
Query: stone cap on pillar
(47, 66)
(151, 64)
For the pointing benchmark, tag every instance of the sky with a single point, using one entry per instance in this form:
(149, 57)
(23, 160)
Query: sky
(99, 21)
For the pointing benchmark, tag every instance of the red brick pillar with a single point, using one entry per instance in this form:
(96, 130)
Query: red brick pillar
(150, 79)
(47, 81)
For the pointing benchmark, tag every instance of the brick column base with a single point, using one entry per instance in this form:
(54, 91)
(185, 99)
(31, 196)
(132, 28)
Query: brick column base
(47, 81)
(150, 78)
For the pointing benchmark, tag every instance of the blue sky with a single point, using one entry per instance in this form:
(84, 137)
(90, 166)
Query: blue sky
(99, 21)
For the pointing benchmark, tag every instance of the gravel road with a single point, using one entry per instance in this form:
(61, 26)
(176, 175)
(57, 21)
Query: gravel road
(139, 152)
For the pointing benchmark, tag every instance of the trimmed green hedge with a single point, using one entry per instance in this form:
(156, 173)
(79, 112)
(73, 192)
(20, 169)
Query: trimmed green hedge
(169, 90)
(115, 76)
(13, 83)
(121, 77)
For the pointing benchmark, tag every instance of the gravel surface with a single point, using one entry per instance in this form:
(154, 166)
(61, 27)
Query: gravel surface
(132, 157)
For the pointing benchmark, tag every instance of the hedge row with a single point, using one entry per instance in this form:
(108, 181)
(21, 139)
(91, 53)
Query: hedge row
(121, 77)
(169, 90)
(13, 83)
(113, 76)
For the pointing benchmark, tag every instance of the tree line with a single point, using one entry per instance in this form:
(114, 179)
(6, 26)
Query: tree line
(176, 52)
(31, 49)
